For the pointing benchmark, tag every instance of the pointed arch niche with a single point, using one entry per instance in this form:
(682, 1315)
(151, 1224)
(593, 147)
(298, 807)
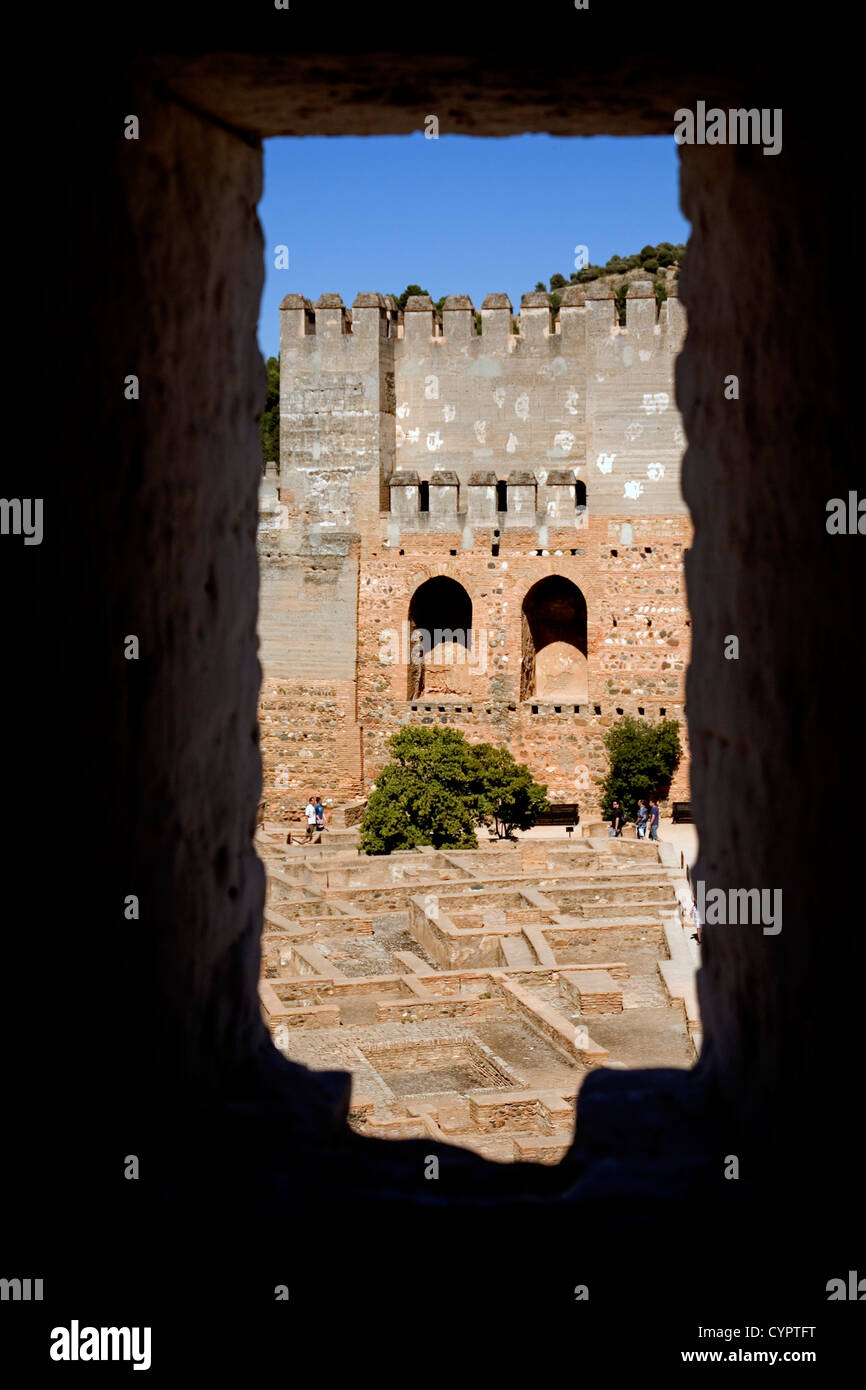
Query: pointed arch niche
(553, 650)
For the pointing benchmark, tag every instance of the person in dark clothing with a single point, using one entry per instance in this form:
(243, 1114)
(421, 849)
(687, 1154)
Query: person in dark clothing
(641, 819)
(654, 819)
(617, 820)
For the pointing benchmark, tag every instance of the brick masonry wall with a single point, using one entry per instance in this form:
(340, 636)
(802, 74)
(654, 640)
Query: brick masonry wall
(638, 664)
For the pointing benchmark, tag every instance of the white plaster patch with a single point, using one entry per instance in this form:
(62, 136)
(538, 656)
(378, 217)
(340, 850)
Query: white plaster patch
(521, 407)
(431, 388)
(655, 471)
(402, 410)
(655, 403)
(679, 437)
(434, 441)
(644, 355)
(512, 444)
(599, 376)
(564, 440)
(448, 412)
(633, 488)
(499, 396)
(604, 462)
(542, 475)
(571, 400)
(413, 436)
(633, 430)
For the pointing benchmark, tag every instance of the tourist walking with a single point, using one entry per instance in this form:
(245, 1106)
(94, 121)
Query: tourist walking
(654, 819)
(641, 819)
(310, 813)
(320, 813)
(616, 821)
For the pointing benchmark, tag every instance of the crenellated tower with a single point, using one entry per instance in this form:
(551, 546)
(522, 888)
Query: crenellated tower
(525, 476)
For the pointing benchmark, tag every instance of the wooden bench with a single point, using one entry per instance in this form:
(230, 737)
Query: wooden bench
(565, 813)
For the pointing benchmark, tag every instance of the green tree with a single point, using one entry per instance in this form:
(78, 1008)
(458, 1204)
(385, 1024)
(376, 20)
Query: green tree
(407, 293)
(429, 794)
(439, 787)
(643, 758)
(620, 298)
(540, 287)
(558, 282)
(510, 797)
(269, 424)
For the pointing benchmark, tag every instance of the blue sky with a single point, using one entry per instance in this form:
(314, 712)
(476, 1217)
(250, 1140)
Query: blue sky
(456, 215)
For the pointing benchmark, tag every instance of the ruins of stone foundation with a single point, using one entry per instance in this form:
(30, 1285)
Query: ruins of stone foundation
(468, 992)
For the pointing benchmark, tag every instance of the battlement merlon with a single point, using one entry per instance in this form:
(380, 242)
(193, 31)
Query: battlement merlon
(585, 315)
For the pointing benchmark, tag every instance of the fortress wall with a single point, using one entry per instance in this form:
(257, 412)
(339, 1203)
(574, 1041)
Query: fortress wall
(632, 666)
(336, 443)
(591, 396)
(310, 738)
(371, 407)
(336, 412)
(635, 439)
(469, 402)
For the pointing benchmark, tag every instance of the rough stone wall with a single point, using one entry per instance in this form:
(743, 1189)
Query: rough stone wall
(576, 422)
(772, 730)
(155, 518)
(310, 737)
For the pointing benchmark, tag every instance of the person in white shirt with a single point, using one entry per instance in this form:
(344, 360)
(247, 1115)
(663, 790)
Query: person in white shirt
(310, 813)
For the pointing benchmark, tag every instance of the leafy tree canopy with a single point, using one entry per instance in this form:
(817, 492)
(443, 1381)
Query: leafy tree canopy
(510, 797)
(643, 758)
(269, 425)
(438, 788)
(407, 293)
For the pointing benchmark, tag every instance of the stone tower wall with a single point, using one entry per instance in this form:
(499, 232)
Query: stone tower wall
(400, 441)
